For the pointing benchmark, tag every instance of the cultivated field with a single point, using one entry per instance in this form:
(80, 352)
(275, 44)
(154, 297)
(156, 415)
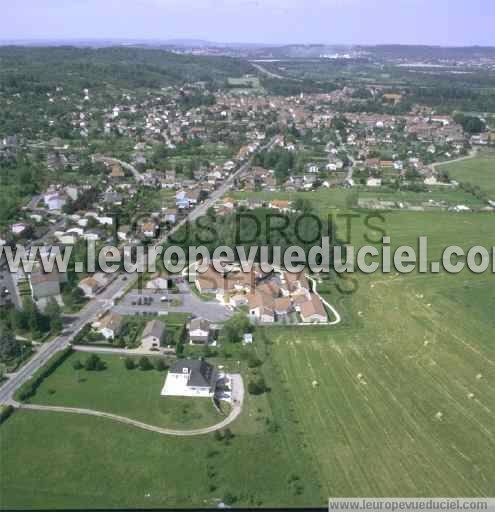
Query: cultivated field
(400, 398)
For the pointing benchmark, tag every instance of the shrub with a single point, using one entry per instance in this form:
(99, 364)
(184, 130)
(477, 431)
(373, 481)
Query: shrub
(5, 413)
(257, 387)
(253, 361)
(77, 365)
(144, 364)
(129, 363)
(160, 365)
(94, 363)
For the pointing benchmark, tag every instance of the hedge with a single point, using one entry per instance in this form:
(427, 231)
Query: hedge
(5, 413)
(29, 388)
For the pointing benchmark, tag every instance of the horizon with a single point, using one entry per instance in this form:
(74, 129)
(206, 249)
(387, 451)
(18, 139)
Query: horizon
(447, 23)
(191, 41)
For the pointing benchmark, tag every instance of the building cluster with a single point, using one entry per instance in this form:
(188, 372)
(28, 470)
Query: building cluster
(277, 296)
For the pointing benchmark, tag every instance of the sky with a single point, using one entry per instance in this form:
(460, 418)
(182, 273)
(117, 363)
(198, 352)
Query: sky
(435, 22)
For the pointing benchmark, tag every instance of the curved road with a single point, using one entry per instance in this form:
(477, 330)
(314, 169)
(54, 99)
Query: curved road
(237, 395)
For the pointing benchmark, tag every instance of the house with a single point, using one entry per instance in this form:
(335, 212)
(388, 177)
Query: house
(199, 331)
(261, 307)
(280, 205)
(171, 216)
(153, 335)
(44, 285)
(110, 326)
(157, 283)
(54, 201)
(431, 180)
(117, 171)
(374, 182)
(149, 229)
(181, 200)
(18, 228)
(247, 339)
(194, 378)
(282, 306)
(313, 311)
(91, 285)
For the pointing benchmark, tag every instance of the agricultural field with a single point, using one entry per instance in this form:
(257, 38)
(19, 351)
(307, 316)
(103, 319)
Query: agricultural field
(479, 171)
(400, 399)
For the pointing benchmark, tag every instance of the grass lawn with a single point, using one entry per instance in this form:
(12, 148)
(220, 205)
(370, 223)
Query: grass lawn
(93, 462)
(131, 393)
(477, 171)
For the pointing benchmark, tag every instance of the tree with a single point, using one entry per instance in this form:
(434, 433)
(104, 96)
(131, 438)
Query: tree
(77, 365)
(257, 387)
(160, 365)
(227, 435)
(129, 363)
(253, 361)
(470, 124)
(94, 363)
(10, 348)
(235, 327)
(144, 364)
(54, 314)
(303, 205)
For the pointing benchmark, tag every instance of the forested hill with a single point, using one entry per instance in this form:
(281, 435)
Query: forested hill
(41, 69)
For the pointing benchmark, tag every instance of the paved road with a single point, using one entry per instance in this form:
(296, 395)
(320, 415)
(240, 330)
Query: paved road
(7, 281)
(237, 403)
(270, 74)
(46, 350)
(117, 351)
(103, 302)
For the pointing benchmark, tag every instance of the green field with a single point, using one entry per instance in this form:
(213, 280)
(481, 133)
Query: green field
(323, 200)
(134, 394)
(93, 462)
(478, 171)
(398, 400)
